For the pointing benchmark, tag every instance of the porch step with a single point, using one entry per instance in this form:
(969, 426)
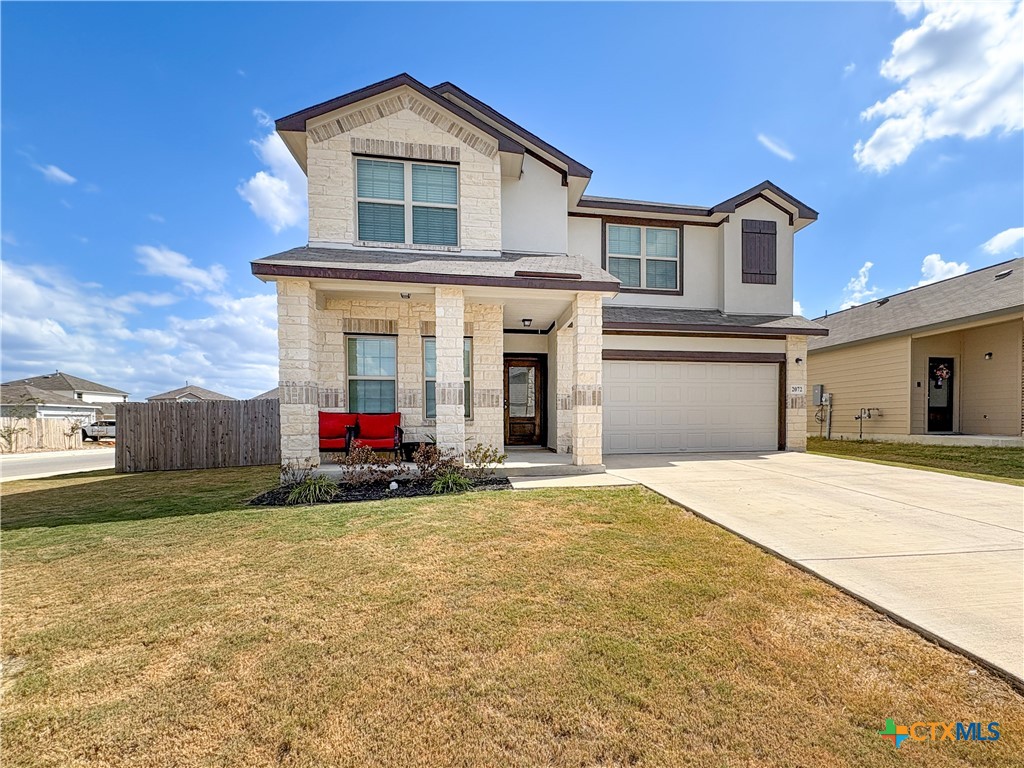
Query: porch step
(537, 462)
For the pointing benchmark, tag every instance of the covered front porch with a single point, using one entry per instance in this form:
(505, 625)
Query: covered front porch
(514, 369)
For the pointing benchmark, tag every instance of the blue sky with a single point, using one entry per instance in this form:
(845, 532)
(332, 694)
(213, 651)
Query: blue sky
(140, 176)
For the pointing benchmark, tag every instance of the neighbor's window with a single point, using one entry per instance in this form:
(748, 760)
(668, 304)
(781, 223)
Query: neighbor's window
(759, 251)
(644, 257)
(396, 199)
(372, 366)
(430, 375)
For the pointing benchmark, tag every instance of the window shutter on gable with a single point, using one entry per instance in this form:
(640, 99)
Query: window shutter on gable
(759, 255)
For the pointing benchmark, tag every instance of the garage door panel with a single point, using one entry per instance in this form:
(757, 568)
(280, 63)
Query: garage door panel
(670, 407)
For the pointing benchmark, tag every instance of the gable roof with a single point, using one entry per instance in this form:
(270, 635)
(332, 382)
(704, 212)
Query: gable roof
(17, 393)
(270, 394)
(296, 121)
(973, 296)
(59, 381)
(796, 208)
(200, 393)
(573, 167)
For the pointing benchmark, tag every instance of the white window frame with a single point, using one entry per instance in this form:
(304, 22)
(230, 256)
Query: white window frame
(408, 202)
(349, 377)
(643, 257)
(467, 375)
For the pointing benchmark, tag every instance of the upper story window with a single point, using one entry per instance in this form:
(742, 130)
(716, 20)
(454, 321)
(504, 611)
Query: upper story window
(407, 202)
(644, 257)
(759, 262)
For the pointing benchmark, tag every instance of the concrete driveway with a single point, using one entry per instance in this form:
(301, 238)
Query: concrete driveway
(944, 553)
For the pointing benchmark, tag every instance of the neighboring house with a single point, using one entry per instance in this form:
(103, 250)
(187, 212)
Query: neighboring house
(74, 388)
(456, 272)
(27, 402)
(190, 393)
(943, 359)
(270, 394)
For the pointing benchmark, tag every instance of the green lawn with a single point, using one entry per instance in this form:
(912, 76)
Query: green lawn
(984, 462)
(154, 620)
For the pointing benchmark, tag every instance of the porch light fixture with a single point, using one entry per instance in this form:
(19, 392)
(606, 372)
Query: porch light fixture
(527, 322)
(405, 295)
(988, 355)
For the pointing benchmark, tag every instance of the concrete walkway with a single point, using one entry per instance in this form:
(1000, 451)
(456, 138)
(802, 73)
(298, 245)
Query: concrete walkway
(943, 553)
(28, 466)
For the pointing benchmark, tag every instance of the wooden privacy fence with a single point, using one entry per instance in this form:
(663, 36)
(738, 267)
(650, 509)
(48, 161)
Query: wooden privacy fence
(197, 435)
(47, 434)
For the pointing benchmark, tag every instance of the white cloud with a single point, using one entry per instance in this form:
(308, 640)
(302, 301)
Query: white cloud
(933, 269)
(909, 8)
(797, 308)
(857, 291)
(164, 262)
(55, 175)
(1004, 241)
(49, 321)
(157, 218)
(960, 73)
(775, 147)
(849, 69)
(278, 196)
(262, 118)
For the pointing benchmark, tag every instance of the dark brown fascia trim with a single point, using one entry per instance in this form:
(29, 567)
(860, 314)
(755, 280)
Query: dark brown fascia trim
(297, 120)
(575, 168)
(642, 207)
(750, 330)
(668, 356)
(551, 275)
(695, 334)
(652, 221)
(541, 159)
(729, 206)
(770, 202)
(386, 276)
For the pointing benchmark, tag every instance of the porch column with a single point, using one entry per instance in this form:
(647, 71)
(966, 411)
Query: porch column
(565, 349)
(586, 389)
(299, 347)
(488, 412)
(449, 307)
(796, 405)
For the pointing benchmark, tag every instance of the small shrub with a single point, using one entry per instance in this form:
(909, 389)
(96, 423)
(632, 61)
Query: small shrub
(314, 489)
(294, 472)
(432, 461)
(483, 460)
(450, 480)
(364, 466)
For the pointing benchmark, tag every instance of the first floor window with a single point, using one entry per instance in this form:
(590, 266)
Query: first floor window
(372, 370)
(396, 199)
(430, 375)
(644, 257)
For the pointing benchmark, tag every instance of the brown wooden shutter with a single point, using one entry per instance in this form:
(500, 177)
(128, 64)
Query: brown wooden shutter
(759, 256)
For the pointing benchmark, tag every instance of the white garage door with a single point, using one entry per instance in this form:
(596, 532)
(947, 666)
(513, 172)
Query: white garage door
(663, 407)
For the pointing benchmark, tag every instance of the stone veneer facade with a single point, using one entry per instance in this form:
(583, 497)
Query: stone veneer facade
(414, 130)
(796, 405)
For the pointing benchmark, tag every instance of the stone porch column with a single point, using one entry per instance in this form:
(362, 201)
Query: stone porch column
(565, 349)
(488, 377)
(586, 389)
(299, 344)
(796, 405)
(449, 308)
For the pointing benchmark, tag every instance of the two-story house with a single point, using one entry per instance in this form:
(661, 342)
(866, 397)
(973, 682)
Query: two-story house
(457, 273)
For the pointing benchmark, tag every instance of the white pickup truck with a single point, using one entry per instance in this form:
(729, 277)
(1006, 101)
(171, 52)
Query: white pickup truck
(99, 429)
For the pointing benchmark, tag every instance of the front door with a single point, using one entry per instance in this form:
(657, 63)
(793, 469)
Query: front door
(524, 400)
(940, 394)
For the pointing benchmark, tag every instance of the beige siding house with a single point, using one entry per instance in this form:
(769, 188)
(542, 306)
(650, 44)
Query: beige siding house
(457, 273)
(931, 364)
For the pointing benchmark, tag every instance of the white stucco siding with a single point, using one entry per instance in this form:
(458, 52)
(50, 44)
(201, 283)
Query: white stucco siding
(102, 397)
(533, 210)
(585, 238)
(749, 298)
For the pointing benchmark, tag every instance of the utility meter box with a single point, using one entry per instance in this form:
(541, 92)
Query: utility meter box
(818, 391)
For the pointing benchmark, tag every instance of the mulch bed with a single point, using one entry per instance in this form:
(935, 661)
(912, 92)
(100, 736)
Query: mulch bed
(278, 497)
